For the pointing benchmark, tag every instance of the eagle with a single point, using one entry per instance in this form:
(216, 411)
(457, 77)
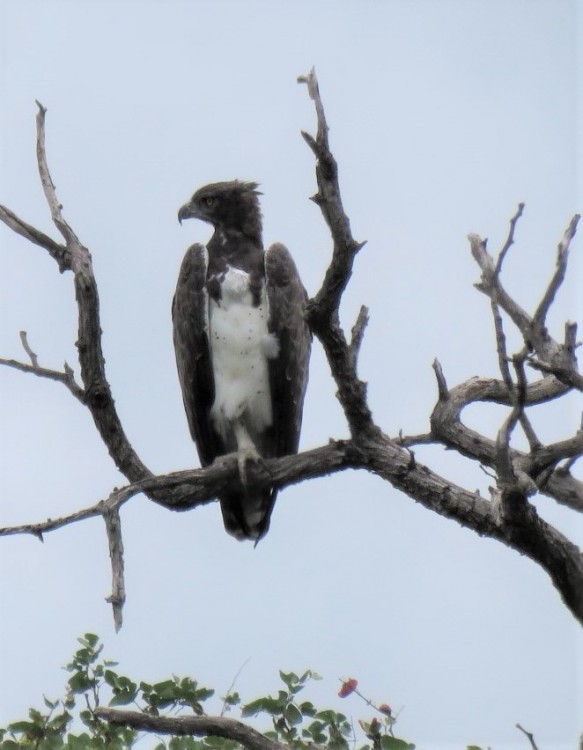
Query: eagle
(242, 346)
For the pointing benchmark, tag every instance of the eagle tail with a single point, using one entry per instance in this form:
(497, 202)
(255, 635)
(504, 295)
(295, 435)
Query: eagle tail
(247, 515)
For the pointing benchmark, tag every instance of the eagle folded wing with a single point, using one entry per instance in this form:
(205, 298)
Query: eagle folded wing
(288, 372)
(193, 358)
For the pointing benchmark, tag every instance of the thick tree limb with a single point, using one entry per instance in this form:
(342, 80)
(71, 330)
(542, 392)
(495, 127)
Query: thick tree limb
(200, 486)
(191, 726)
(323, 308)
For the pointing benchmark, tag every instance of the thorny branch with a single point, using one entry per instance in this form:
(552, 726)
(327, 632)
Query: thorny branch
(509, 516)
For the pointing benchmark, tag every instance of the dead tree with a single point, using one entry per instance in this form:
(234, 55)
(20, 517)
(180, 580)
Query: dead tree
(543, 370)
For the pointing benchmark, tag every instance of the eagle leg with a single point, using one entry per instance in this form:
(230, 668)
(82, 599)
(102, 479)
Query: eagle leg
(246, 450)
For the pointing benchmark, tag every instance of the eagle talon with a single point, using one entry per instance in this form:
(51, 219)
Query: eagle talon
(243, 456)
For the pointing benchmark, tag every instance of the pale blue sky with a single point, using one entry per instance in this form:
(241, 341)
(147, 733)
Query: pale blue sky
(443, 116)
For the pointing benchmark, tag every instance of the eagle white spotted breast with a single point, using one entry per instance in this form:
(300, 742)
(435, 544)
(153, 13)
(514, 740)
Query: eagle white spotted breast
(242, 346)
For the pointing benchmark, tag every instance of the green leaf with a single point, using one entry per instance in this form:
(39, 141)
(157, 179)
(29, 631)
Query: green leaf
(307, 708)
(394, 743)
(292, 714)
(22, 727)
(203, 694)
(268, 705)
(474, 747)
(80, 682)
(330, 717)
(289, 678)
(123, 698)
(165, 689)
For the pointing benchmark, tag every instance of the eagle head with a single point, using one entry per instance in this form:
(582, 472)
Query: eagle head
(227, 206)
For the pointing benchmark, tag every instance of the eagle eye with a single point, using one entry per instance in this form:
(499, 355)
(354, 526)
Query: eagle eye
(209, 201)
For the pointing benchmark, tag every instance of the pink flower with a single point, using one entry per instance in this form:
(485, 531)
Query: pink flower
(348, 686)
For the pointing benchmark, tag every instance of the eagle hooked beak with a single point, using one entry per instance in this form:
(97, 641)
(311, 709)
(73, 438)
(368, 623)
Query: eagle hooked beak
(187, 212)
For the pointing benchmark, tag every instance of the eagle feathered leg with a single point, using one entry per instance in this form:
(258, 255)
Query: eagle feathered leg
(246, 450)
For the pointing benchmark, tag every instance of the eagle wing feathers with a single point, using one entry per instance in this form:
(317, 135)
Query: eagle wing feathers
(193, 357)
(288, 372)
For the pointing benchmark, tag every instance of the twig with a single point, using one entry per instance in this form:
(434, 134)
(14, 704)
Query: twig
(58, 252)
(118, 595)
(442, 388)
(559, 276)
(28, 350)
(48, 186)
(66, 377)
(232, 685)
(357, 335)
(529, 735)
(509, 240)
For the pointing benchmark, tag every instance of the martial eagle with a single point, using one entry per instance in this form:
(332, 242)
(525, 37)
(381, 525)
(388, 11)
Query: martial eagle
(242, 346)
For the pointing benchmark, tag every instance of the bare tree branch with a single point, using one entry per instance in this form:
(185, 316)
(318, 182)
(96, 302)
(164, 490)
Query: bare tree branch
(357, 335)
(200, 486)
(509, 240)
(540, 315)
(530, 737)
(118, 592)
(27, 349)
(57, 252)
(556, 358)
(66, 377)
(323, 308)
(191, 726)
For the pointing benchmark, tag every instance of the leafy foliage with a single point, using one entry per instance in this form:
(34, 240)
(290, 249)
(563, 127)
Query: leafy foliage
(71, 724)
